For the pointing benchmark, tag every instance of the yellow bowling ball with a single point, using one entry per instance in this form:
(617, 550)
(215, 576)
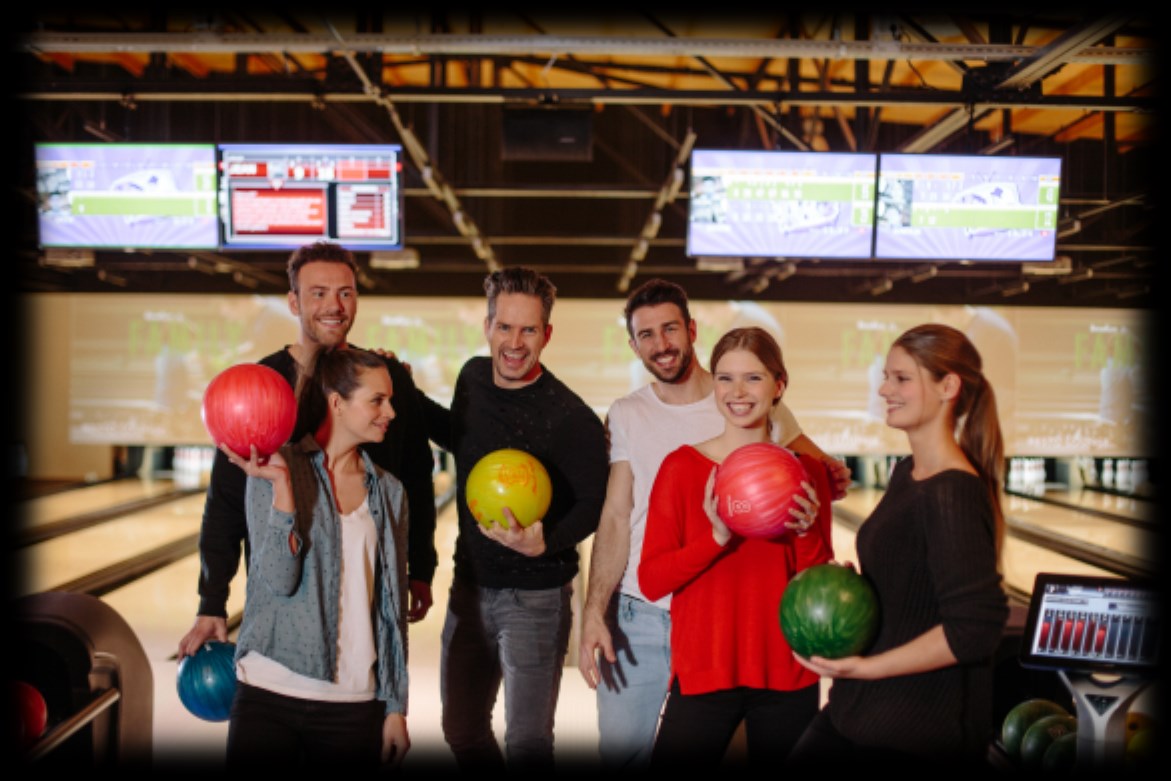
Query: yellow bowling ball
(508, 478)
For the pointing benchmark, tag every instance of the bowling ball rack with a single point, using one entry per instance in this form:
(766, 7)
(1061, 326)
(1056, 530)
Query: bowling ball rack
(96, 680)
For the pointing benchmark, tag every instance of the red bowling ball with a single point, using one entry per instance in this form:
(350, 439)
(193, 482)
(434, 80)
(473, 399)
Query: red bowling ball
(755, 486)
(249, 404)
(32, 714)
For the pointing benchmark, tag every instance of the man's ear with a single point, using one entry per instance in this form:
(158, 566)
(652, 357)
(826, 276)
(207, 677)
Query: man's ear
(294, 304)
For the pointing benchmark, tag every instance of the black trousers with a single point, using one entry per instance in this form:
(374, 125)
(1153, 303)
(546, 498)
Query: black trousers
(696, 729)
(823, 746)
(268, 730)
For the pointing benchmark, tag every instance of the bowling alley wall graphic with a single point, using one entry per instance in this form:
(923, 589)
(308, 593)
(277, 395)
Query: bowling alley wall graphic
(1069, 382)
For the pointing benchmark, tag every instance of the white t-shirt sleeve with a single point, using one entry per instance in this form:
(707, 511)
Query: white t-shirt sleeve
(786, 426)
(616, 432)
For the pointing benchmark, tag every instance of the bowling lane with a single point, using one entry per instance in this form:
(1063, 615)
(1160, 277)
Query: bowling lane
(1126, 507)
(1136, 542)
(49, 564)
(78, 501)
(1022, 559)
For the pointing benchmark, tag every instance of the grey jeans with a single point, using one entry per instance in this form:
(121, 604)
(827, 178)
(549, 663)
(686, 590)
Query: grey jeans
(515, 636)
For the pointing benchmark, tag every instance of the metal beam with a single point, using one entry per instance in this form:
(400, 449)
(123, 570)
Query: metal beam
(297, 93)
(1057, 52)
(489, 45)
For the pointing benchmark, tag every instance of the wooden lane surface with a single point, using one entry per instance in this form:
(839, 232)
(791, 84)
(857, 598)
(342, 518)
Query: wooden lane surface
(57, 561)
(66, 504)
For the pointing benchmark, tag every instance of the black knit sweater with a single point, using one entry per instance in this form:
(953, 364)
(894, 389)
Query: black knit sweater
(552, 423)
(929, 550)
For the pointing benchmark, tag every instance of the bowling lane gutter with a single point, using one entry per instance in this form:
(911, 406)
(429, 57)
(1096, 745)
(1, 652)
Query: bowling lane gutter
(32, 535)
(115, 576)
(1104, 558)
(1103, 514)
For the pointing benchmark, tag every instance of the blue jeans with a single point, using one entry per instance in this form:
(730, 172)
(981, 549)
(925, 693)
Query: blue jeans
(515, 636)
(632, 691)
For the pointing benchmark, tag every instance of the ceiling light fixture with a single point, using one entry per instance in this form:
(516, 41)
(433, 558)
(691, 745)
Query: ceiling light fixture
(1065, 229)
(782, 272)
(202, 266)
(111, 278)
(758, 285)
(395, 260)
(67, 258)
(242, 279)
(1078, 276)
(924, 273)
(1133, 292)
(1015, 289)
(1058, 267)
(718, 264)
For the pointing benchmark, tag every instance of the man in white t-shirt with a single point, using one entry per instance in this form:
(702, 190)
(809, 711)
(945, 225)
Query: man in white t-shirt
(632, 672)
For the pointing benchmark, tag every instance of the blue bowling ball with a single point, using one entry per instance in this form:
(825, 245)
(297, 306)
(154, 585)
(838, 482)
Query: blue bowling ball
(206, 681)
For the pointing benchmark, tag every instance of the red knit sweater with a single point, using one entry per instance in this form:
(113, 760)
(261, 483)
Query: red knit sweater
(725, 625)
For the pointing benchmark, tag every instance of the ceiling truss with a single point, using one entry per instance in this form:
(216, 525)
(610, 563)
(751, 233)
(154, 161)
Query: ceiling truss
(997, 83)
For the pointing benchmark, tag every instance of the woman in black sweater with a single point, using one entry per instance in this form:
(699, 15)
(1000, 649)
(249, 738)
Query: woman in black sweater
(931, 550)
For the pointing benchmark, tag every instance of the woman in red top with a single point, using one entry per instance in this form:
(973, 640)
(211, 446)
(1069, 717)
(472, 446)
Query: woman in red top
(729, 660)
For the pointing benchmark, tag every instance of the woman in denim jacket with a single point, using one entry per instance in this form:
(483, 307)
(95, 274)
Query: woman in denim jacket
(321, 658)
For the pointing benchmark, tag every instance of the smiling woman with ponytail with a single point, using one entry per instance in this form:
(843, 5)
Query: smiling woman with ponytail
(931, 548)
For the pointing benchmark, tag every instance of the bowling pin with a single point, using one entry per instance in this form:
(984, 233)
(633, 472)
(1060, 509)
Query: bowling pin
(1108, 473)
(1138, 475)
(1122, 478)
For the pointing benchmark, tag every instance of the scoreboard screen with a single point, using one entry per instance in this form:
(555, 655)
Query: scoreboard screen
(281, 196)
(1092, 624)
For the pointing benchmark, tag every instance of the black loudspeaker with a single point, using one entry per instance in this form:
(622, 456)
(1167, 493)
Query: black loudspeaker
(546, 134)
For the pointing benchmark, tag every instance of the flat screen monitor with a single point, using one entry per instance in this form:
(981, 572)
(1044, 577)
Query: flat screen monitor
(281, 196)
(966, 207)
(126, 196)
(1092, 624)
(781, 204)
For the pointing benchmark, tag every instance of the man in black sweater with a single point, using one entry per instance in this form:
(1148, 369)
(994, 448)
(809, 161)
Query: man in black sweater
(323, 296)
(509, 613)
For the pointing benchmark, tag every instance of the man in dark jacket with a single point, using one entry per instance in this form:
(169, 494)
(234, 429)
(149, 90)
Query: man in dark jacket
(323, 295)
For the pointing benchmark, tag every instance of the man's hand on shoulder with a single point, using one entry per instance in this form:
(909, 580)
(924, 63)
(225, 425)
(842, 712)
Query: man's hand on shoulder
(390, 356)
(839, 476)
